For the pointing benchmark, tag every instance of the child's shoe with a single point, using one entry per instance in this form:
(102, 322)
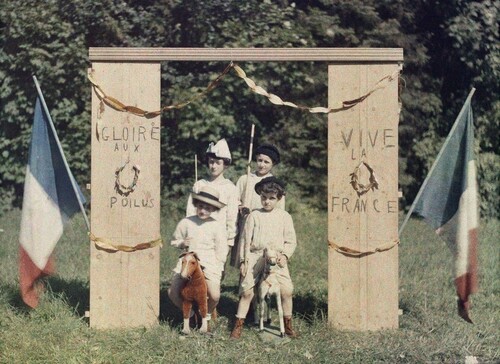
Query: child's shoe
(288, 327)
(238, 326)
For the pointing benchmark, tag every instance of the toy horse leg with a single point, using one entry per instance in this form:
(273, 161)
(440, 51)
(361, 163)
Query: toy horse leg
(203, 306)
(255, 305)
(262, 300)
(280, 313)
(186, 309)
(268, 311)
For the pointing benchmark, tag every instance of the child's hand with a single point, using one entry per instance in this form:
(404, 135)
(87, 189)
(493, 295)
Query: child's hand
(281, 261)
(244, 211)
(186, 242)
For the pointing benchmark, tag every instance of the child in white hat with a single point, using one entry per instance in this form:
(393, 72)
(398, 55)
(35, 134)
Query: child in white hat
(218, 160)
(202, 234)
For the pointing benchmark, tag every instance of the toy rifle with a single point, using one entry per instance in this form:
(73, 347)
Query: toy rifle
(235, 251)
(246, 200)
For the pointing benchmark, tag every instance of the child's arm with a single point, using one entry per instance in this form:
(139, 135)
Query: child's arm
(232, 215)
(241, 188)
(221, 247)
(246, 240)
(180, 238)
(289, 236)
(240, 185)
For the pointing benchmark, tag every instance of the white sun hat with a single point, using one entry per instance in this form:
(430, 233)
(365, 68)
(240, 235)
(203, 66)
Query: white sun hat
(208, 195)
(219, 150)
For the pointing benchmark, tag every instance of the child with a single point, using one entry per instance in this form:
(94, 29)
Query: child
(218, 160)
(266, 156)
(206, 237)
(267, 227)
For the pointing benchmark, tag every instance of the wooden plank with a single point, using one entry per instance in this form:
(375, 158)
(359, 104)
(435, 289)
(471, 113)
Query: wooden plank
(363, 291)
(124, 287)
(246, 54)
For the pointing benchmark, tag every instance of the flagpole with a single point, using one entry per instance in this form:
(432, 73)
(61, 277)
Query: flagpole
(196, 168)
(51, 123)
(424, 184)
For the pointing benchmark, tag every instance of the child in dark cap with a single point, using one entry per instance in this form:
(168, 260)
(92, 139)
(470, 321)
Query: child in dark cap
(272, 228)
(266, 156)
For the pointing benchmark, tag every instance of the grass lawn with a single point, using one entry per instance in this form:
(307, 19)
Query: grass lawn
(430, 330)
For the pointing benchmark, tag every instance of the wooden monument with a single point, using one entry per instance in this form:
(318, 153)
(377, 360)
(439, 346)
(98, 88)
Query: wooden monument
(125, 197)
(362, 148)
(363, 197)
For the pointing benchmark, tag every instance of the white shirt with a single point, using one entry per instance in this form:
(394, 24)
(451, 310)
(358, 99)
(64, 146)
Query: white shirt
(228, 215)
(268, 229)
(208, 241)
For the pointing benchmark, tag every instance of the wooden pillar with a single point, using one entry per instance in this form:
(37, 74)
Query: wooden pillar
(363, 290)
(124, 287)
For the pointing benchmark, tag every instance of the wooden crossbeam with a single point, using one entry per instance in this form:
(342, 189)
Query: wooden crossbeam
(103, 54)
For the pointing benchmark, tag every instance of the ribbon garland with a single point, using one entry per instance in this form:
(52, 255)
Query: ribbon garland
(344, 105)
(274, 99)
(356, 253)
(119, 106)
(109, 246)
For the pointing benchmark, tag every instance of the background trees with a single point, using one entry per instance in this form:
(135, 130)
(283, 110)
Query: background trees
(449, 48)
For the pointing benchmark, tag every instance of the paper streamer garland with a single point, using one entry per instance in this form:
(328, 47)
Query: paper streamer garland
(274, 99)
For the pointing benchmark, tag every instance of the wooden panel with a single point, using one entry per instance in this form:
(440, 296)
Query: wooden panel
(363, 291)
(247, 54)
(124, 287)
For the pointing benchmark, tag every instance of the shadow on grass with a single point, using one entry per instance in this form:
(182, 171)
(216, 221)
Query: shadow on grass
(169, 313)
(12, 296)
(75, 292)
(310, 306)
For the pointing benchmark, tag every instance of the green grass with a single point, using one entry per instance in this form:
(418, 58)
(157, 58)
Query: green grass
(430, 331)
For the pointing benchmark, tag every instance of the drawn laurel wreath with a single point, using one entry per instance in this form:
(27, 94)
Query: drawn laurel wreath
(360, 188)
(122, 189)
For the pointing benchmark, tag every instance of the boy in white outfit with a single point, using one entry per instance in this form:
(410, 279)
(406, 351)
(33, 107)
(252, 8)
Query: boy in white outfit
(267, 227)
(205, 236)
(218, 160)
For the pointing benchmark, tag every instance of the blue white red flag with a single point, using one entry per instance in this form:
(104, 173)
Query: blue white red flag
(48, 203)
(448, 202)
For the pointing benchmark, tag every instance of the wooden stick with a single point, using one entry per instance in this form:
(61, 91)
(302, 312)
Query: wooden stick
(196, 167)
(246, 200)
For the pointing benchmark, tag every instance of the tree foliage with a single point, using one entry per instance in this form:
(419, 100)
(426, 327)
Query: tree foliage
(449, 48)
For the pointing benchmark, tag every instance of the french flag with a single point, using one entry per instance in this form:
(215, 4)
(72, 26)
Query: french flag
(449, 203)
(51, 197)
